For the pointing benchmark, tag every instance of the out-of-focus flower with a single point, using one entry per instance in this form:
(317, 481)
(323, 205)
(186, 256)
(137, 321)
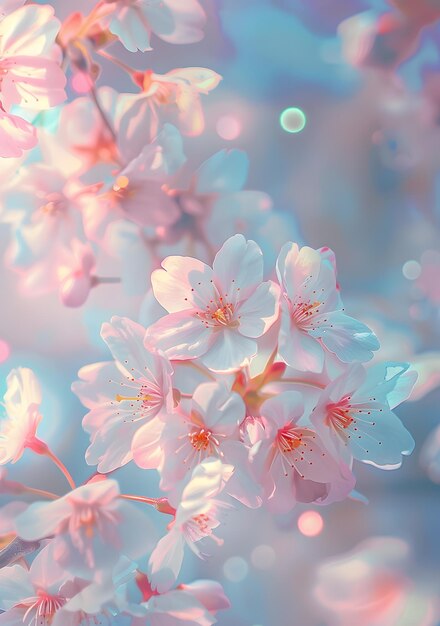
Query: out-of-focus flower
(194, 604)
(75, 274)
(124, 395)
(93, 527)
(354, 414)
(137, 193)
(133, 22)
(31, 77)
(291, 460)
(197, 515)
(87, 139)
(422, 13)
(213, 207)
(386, 40)
(33, 596)
(47, 216)
(210, 428)
(175, 97)
(215, 314)
(313, 318)
(368, 587)
(430, 455)
(21, 401)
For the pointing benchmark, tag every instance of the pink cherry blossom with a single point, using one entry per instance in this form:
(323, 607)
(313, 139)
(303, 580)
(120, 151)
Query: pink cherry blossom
(354, 414)
(21, 401)
(210, 428)
(291, 460)
(197, 515)
(138, 191)
(92, 525)
(125, 396)
(313, 319)
(215, 314)
(34, 596)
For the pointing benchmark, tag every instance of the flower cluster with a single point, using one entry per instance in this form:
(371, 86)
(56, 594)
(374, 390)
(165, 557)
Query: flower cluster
(243, 392)
(107, 180)
(245, 386)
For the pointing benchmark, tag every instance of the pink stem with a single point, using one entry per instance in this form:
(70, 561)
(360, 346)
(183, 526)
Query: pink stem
(39, 492)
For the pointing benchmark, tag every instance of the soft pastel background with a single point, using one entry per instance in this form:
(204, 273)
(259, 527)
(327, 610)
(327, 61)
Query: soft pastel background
(362, 177)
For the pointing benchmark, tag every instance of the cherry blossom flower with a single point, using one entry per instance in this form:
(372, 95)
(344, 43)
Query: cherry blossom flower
(124, 395)
(291, 460)
(175, 96)
(21, 401)
(34, 596)
(313, 319)
(86, 138)
(31, 78)
(213, 207)
(197, 515)
(93, 527)
(137, 192)
(211, 428)
(354, 414)
(48, 215)
(16, 135)
(133, 21)
(215, 314)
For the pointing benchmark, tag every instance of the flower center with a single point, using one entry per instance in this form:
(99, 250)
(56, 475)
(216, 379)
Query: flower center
(203, 522)
(43, 608)
(338, 413)
(202, 439)
(302, 312)
(145, 403)
(219, 313)
(55, 203)
(288, 439)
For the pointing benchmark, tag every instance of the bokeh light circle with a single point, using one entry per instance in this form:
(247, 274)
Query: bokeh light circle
(411, 270)
(235, 569)
(310, 523)
(228, 127)
(5, 351)
(293, 120)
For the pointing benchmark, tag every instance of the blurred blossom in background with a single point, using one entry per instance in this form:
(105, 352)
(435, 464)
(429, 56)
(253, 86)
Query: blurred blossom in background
(325, 119)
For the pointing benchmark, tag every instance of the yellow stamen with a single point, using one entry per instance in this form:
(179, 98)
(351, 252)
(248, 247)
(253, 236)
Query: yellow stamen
(146, 398)
(121, 183)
